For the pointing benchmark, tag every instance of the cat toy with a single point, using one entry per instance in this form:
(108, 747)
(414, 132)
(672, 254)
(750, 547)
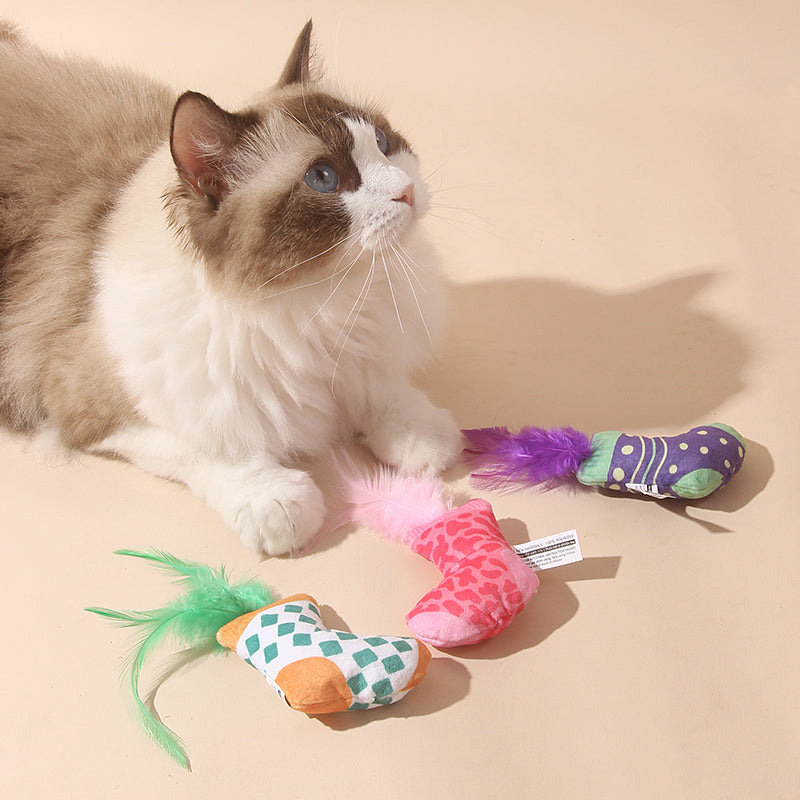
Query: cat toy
(315, 669)
(689, 466)
(485, 583)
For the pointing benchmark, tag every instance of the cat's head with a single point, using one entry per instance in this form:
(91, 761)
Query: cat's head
(301, 179)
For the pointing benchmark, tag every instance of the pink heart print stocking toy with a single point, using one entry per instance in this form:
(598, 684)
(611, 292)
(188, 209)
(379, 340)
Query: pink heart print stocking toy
(484, 585)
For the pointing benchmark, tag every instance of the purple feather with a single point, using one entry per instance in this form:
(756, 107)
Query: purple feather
(501, 459)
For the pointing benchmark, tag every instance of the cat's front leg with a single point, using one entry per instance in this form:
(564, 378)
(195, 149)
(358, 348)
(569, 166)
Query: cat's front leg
(404, 429)
(274, 509)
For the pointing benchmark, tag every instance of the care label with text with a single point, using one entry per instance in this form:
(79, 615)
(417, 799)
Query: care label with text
(552, 551)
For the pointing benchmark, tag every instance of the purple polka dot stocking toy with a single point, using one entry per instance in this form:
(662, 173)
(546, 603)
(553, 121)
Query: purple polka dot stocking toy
(689, 466)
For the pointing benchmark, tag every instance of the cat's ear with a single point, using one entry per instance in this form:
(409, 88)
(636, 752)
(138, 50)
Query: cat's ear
(298, 65)
(202, 142)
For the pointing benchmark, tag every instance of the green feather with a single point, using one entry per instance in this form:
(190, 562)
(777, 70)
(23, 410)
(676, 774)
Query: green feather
(208, 602)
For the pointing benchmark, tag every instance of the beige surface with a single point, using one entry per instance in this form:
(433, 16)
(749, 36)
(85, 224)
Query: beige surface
(620, 191)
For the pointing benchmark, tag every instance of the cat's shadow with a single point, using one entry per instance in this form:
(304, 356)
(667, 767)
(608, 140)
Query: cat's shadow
(547, 352)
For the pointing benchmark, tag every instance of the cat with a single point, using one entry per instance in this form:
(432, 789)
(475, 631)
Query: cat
(217, 297)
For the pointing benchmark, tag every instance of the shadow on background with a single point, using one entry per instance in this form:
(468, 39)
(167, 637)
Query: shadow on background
(747, 484)
(553, 605)
(446, 683)
(545, 352)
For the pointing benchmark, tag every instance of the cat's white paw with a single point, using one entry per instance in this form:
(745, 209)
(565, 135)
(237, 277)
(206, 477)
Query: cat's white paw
(274, 511)
(421, 439)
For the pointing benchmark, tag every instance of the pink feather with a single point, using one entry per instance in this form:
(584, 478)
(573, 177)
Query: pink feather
(391, 504)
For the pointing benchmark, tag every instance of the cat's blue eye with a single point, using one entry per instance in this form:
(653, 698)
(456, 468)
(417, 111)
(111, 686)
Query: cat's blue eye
(322, 177)
(382, 141)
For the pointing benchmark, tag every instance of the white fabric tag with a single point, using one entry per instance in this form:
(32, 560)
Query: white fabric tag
(646, 488)
(552, 551)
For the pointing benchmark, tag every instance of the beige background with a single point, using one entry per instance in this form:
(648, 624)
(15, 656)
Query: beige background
(618, 190)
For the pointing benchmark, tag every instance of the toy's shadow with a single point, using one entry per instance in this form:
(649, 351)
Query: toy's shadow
(552, 607)
(545, 352)
(445, 684)
(448, 680)
(748, 483)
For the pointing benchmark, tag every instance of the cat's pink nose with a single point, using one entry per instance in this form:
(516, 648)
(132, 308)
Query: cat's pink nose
(407, 195)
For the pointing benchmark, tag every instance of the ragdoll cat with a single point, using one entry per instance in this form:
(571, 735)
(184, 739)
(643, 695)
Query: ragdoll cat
(216, 297)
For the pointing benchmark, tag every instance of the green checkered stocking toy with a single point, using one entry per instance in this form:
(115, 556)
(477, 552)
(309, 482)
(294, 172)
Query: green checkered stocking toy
(318, 670)
(314, 669)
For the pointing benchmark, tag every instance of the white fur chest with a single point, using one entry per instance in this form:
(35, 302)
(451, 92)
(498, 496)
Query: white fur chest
(235, 381)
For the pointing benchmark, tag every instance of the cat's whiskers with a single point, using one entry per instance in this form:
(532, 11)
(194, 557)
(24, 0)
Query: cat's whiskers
(355, 312)
(336, 272)
(458, 187)
(294, 118)
(305, 261)
(332, 117)
(410, 263)
(358, 304)
(389, 279)
(460, 209)
(406, 266)
(482, 229)
(449, 206)
(429, 175)
(305, 106)
(346, 254)
(334, 288)
(336, 53)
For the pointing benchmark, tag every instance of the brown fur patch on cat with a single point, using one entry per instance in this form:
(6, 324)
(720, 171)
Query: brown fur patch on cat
(86, 129)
